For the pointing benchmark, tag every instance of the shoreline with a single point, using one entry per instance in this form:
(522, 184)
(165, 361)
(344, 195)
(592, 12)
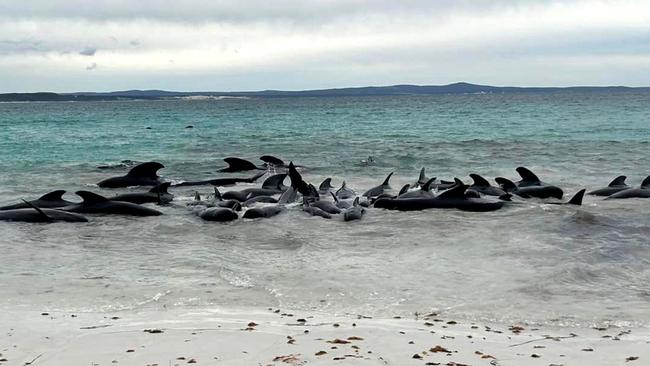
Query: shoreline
(240, 336)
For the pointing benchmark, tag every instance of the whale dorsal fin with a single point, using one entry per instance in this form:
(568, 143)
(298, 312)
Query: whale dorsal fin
(297, 183)
(274, 181)
(237, 164)
(422, 177)
(526, 175)
(577, 198)
(455, 192)
(53, 196)
(161, 188)
(427, 186)
(506, 184)
(146, 170)
(41, 212)
(356, 202)
(327, 184)
(387, 179)
(197, 196)
(217, 194)
(270, 159)
(479, 181)
(618, 181)
(404, 189)
(90, 197)
(646, 182)
(336, 199)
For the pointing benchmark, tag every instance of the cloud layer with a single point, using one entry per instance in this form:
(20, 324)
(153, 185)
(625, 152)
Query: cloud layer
(231, 45)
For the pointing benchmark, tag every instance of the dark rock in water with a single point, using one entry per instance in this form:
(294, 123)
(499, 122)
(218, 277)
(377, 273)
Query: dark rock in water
(147, 128)
(189, 126)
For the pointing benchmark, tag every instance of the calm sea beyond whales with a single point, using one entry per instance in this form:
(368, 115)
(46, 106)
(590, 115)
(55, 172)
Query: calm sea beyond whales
(523, 207)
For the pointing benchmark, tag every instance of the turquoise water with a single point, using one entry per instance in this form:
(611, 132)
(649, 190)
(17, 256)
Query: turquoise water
(581, 265)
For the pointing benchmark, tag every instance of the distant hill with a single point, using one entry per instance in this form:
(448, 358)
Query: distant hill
(456, 88)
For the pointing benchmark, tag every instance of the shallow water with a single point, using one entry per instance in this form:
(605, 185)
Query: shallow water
(527, 262)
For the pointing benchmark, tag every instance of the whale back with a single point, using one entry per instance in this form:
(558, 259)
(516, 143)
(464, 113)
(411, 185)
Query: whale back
(145, 170)
(238, 164)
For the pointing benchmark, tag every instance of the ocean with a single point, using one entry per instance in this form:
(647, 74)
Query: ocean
(533, 263)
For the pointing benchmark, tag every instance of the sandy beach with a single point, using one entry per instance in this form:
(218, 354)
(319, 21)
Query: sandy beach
(279, 337)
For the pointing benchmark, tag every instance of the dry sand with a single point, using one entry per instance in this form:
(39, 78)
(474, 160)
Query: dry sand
(278, 337)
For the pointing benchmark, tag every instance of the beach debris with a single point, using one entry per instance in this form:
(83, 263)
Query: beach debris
(96, 326)
(192, 360)
(153, 331)
(338, 341)
(290, 359)
(631, 358)
(130, 350)
(516, 329)
(355, 338)
(320, 353)
(484, 355)
(587, 349)
(535, 355)
(417, 356)
(439, 348)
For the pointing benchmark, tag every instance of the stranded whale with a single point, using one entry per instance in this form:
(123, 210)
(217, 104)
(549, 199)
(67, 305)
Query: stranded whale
(144, 174)
(53, 199)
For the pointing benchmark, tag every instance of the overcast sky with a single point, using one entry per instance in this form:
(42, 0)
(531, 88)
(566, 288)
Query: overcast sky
(101, 45)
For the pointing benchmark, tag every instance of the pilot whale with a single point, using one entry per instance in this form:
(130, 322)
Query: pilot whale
(642, 192)
(95, 204)
(53, 199)
(377, 190)
(36, 214)
(220, 182)
(239, 165)
(144, 174)
(617, 185)
(157, 194)
(482, 186)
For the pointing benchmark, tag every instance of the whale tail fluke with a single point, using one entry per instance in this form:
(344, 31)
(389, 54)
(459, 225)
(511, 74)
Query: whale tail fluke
(577, 198)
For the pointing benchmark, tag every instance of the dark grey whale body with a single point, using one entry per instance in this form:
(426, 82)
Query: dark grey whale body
(452, 198)
(617, 185)
(53, 199)
(642, 191)
(239, 165)
(482, 186)
(263, 212)
(144, 174)
(35, 214)
(157, 194)
(377, 190)
(529, 186)
(219, 214)
(95, 204)
(220, 182)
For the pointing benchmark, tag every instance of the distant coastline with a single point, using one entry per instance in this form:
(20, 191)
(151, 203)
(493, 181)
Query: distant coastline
(455, 88)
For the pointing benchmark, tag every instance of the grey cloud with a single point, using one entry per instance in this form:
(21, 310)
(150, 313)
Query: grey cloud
(88, 51)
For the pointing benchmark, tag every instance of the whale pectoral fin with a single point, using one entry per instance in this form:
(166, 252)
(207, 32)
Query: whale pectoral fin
(52, 196)
(270, 159)
(387, 179)
(146, 170)
(41, 212)
(577, 198)
(479, 181)
(618, 181)
(238, 164)
(427, 186)
(161, 188)
(526, 175)
(90, 197)
(646, 182)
